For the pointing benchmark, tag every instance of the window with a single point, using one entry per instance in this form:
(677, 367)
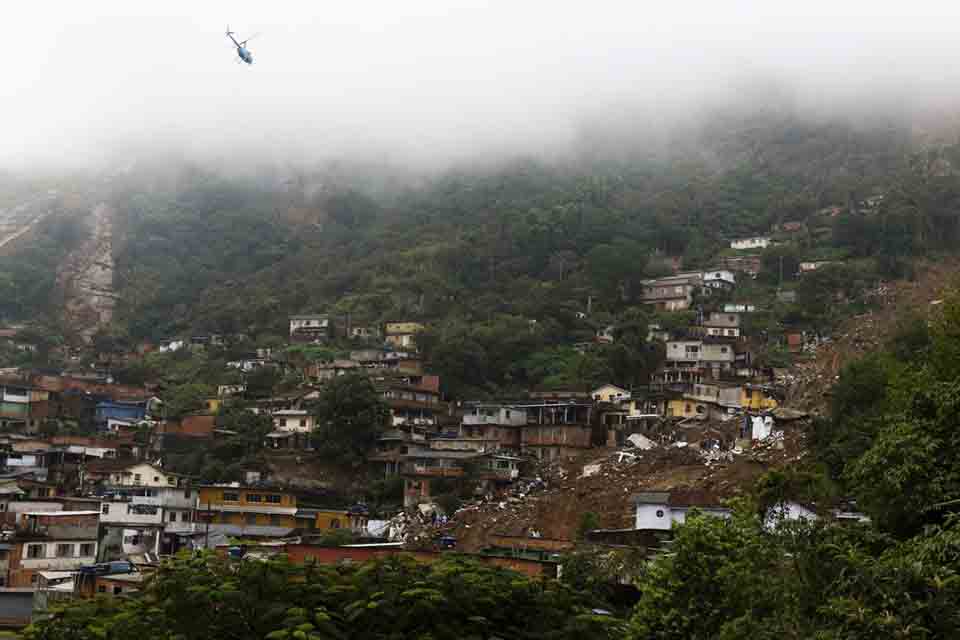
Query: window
(254, 497)
(275, 499)
(303, 423)
(723, 349)
(156, 479)
(229, 496)
(34, 578)
(335, 524)
(105, 508)
(117, 591)
(171, 480)
(173, 516)
(86, 549)
(659, 513)
(137, 479)
(276, 520)
(251, 518)
(186, 494)
(101, 588)
(43, 492)
(64, 550)
(34, 550)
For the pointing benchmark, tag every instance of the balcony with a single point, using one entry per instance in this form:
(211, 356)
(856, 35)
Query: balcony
(470, 420)
(435, 472)
(184, 527)
(132, 514)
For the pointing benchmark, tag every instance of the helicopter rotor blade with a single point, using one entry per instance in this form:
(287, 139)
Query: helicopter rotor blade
(244, 43)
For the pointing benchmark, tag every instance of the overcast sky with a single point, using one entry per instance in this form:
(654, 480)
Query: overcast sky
(428, 78)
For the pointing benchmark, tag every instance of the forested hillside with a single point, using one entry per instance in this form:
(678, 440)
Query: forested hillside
(503, 260)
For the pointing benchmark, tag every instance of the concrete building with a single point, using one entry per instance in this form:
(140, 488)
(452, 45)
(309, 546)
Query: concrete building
(753, 242)
(661, 510)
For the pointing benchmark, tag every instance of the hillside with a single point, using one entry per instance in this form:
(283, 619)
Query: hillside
(480, 253)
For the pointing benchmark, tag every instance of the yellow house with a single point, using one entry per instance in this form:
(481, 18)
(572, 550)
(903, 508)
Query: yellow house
(247, 510)
(402, 334)
(610, 393)
(755, 398)
(682, 408)
(213, 405)
(331, 519)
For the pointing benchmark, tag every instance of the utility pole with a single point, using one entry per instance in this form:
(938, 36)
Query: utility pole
(781, 272)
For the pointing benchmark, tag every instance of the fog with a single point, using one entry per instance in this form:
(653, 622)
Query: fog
(429, 82)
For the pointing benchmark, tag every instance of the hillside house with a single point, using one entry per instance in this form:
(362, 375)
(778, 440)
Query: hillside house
(50, 541)
(236, 510)
(146, 475)
(421, 466)
(751, 265)
(752, 242)
(673, 293)
(719, 279)
(500, 423)
(721, 325)
(807, 267)
(14, 405)
(310, 328)
(354, 519)
(659, 510)
(493, 471)
(413, 399)
(294, 420)
(556, 429)
(548, 429)
(323, 371)
(146, 519)
(609, 393)
(402, 335)
(365, 332)
(292, 429)
(394, 444)
(739, 307)
(230, 390)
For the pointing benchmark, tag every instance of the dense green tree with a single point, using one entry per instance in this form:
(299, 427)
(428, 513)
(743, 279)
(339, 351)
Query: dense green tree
(216, 599)
(185, 399)
(350, 415)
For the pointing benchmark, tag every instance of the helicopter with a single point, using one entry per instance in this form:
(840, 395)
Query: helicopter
(242, 50)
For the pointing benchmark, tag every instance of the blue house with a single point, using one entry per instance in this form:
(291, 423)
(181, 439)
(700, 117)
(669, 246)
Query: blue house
(132, 411)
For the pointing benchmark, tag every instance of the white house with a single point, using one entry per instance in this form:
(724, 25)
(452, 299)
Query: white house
(145, 475)
(684, 350)
(739, 307)
(659, 510)
(719, 279)
(610, 393)
(755, 242)
(293, 420)
(312, 323)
